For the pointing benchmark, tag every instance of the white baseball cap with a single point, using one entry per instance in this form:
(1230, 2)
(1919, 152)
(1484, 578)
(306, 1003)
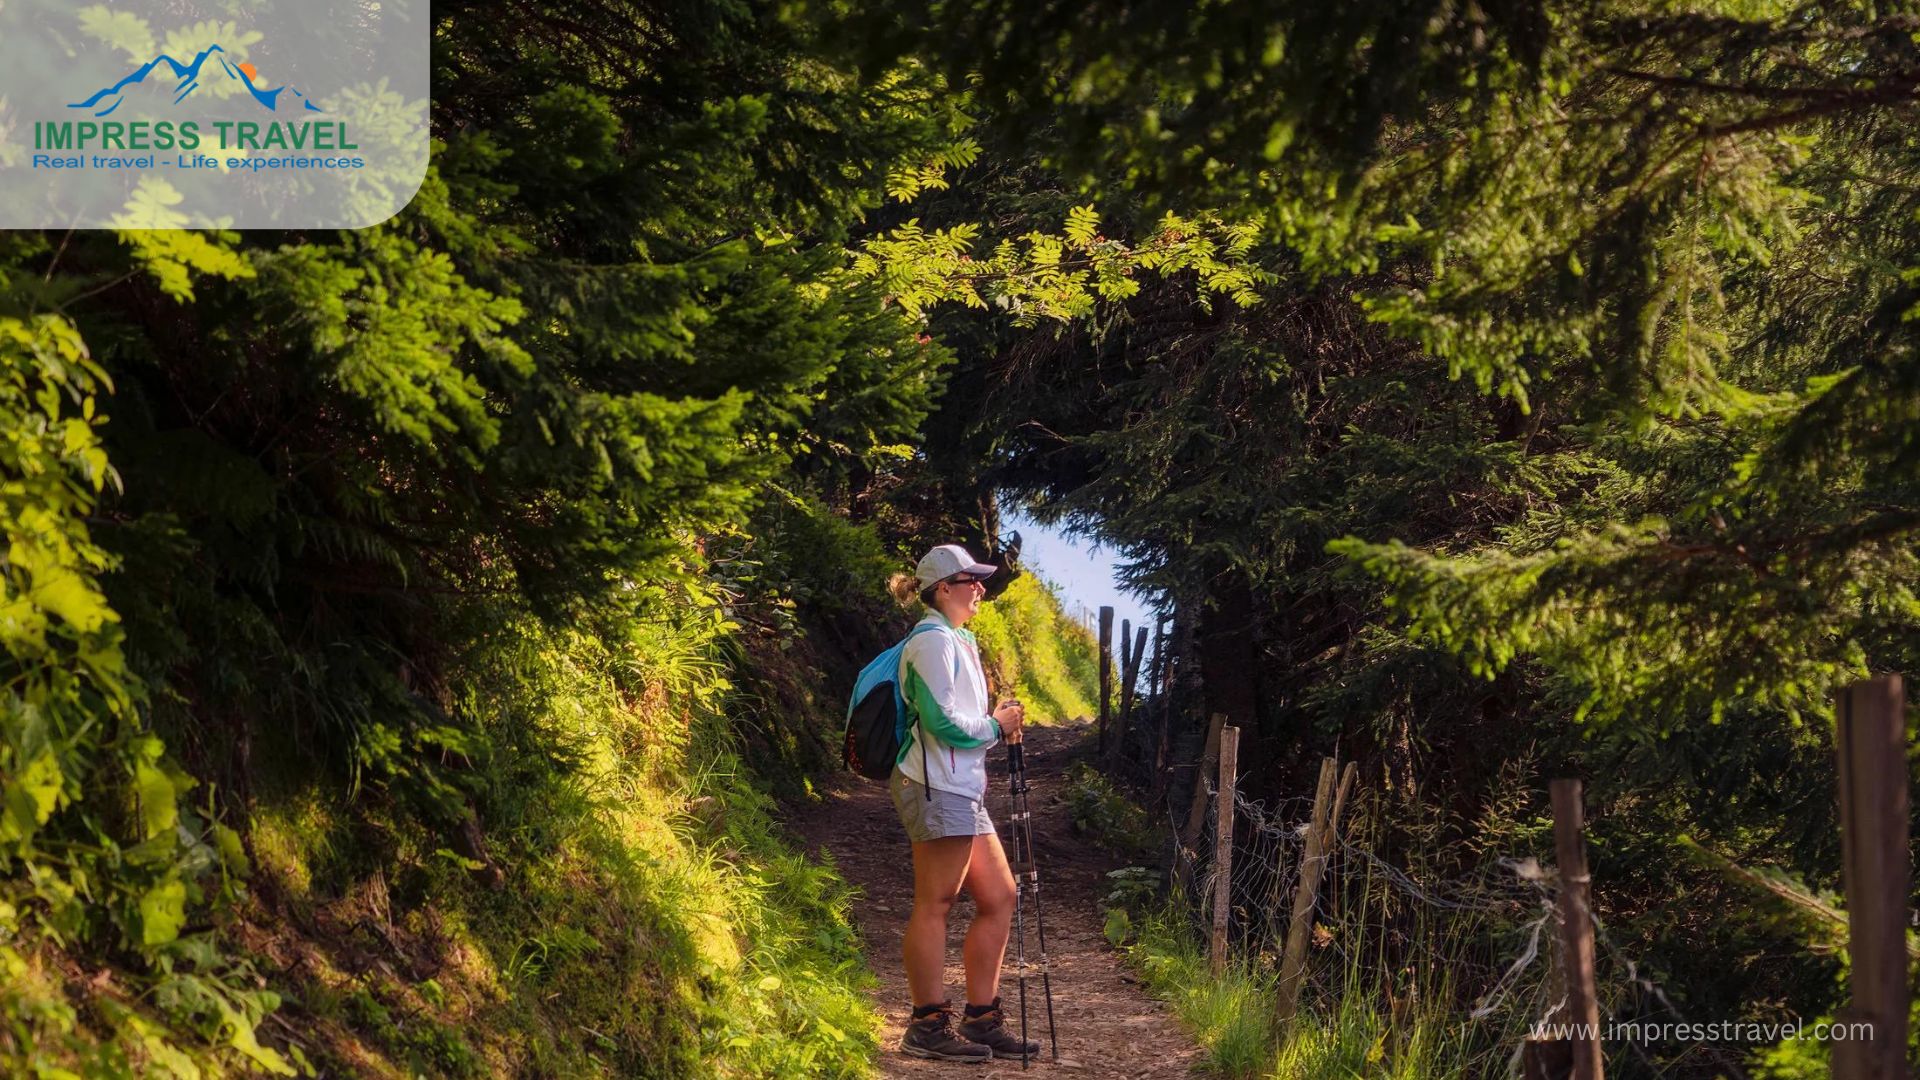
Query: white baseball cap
(945, 561)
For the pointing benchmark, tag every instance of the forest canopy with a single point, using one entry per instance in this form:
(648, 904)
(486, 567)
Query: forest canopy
(1486, 390)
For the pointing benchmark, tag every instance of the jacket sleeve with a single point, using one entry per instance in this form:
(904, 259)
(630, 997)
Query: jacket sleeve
(930, 663)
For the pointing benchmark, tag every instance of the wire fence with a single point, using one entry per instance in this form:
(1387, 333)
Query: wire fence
(1452, 929)
(1457, 962)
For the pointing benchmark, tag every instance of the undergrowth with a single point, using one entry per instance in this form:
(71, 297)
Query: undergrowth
(650, 920)
(620, 904)
(1345, 1037)
(594, 882)
(1230, 1015)
(1103, 813)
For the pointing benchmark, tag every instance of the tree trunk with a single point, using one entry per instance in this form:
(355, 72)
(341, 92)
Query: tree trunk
(1229, 651)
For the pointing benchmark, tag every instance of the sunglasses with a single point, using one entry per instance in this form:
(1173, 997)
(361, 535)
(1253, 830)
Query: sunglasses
(964, 579)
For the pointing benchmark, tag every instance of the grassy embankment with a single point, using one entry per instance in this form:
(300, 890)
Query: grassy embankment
(1038, 652)
(650, 921)
(636, 911)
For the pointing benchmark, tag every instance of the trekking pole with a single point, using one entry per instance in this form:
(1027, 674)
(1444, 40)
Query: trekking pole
(1016, 780)
(1027, 874)
(1039, 919)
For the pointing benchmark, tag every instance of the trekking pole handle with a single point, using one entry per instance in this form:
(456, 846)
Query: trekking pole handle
(1019, 732)
(1016, 758)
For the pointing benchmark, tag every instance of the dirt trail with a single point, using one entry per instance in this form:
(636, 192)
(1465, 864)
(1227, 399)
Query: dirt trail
(1107, 1024)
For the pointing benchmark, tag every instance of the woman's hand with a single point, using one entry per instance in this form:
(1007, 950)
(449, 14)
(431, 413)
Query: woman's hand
(1010, 716)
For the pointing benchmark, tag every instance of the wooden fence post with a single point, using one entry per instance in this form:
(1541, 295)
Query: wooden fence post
(1293, 956)
(1131, 691)
(1106, 675)
(1347, 777)
(1871, 740)
(1158, 664)
(1110, 739)
(1546, 1054)
(1197, 809)
(1129, 674)
(1223, 845)
(1576, 930)
(1163, 705)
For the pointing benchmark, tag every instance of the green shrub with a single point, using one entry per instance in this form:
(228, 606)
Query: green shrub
(1103, 814)
(656, 923)
(105, 846)
(800, 550)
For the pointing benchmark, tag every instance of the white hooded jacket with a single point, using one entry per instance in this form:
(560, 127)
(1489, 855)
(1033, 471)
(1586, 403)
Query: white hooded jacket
(947, 689)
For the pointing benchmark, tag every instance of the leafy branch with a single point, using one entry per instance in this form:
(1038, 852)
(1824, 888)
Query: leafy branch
(1041, 276)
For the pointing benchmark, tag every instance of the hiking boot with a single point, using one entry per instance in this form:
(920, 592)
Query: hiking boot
(988, 1025)
(931, 1036)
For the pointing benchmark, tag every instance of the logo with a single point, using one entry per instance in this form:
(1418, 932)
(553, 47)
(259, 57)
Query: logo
(212, 114)
(187, 80)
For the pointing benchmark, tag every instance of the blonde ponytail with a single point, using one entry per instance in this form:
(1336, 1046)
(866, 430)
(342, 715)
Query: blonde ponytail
(903, 587)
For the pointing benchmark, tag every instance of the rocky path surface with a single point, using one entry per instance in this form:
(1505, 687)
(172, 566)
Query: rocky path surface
(1108, 1026)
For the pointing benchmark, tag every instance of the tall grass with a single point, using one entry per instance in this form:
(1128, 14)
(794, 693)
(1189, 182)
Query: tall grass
(1346, 1036)
(1350, 1036)
(1366, 1010)
(1231, 1015)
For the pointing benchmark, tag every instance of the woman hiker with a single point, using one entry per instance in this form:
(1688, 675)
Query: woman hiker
(939, 785)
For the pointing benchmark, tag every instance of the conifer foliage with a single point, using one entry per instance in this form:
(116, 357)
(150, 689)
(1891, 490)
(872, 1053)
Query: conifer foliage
(281, 507)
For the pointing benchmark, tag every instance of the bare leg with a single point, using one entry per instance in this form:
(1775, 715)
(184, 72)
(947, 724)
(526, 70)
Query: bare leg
(990, 882)
(939, 866)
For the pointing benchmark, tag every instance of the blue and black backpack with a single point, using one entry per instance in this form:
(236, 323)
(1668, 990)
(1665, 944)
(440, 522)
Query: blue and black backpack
(879, 714)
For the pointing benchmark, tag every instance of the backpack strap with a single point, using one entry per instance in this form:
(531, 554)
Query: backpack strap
(901, 680)
(925, 776)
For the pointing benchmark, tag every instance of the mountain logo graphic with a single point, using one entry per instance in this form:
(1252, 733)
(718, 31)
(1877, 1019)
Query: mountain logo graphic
(187, 80)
